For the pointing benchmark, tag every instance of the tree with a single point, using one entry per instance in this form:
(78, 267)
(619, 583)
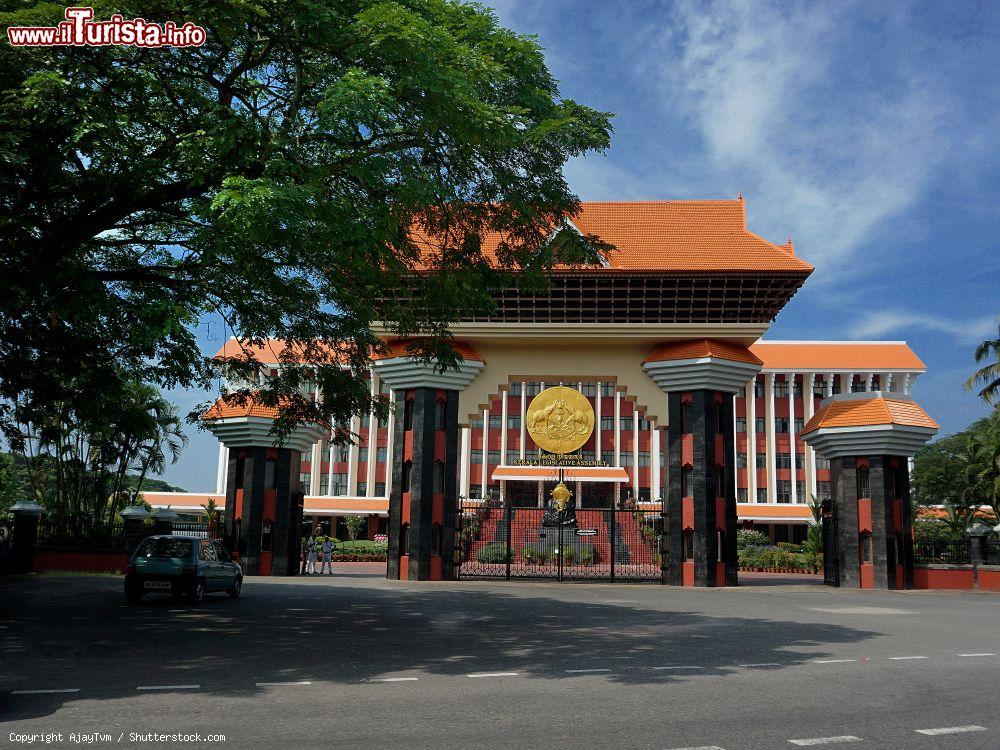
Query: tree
(989, 375)
(12, 486)
(316, 167)
(354, 525)
(939, 471)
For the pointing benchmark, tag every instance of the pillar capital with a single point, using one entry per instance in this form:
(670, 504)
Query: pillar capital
(400, 370)
(702, 364)
(248, 425)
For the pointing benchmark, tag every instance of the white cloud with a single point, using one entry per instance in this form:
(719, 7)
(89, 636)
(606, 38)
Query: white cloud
(822, 143)
(883, 322)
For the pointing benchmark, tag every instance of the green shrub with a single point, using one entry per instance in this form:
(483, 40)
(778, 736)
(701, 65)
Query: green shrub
(535, 555)
(492, 553)
(363, 547)
(569, 556)
(790, 547)
(586, 555)
(751, 538)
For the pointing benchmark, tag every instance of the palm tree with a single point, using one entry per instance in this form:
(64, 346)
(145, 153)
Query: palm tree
(989, 375)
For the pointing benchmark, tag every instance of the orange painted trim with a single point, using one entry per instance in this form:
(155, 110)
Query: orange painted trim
(687, 449)
(865, 515)
(436, 568)
(687, 573)
(720, 574)
(687, 513)
(264, 568)
(867, 575)
(404, 567)
(759, 510)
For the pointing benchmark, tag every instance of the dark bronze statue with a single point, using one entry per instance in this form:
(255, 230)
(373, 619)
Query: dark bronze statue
(562, 511)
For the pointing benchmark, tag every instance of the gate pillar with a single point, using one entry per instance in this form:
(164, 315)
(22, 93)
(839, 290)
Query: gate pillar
(263, 517)
(700, 378)
(423, 502)
(868, 438)
(27, 514)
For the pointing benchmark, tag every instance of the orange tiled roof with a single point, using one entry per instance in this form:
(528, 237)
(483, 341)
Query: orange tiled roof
(272, 350)
(221, 410)
(869, 412)
(698, 348)
(837, 355)
(673, 236)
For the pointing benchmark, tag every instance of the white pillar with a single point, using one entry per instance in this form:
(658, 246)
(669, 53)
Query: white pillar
(314, 468)
(736, 483)
(463, 467)
(808, 403)
(792, 448)
(635, 450)
(772, 486)
(654, 457)
(887, 384)
(503, 428)
(828, 385)
(389, 443)
(222, 471)
(846, 381)
(907, 383)
(486, 453)
(352, 460)
(617, 432)
(524, 387)
(372, 441)
(751, 396)
(329, 469)
(869, 381)
(597, 426)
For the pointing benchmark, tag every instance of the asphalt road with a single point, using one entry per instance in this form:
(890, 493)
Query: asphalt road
(359, 662)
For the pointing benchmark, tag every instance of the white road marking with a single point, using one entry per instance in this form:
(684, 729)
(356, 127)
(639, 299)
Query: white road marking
(832, 661)
(583, 671)
(977, 654)
(906, 658)
(761, 664)
(168, 687)
(392, 679)
(45, 692)
(952, 730)
(493, 674)
(700, 747)
(826, 740)
(678, 667)
(282, 684)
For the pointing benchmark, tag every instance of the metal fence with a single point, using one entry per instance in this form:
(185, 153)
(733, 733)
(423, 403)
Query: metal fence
(942, 552)
(71, 531)
(991, 551)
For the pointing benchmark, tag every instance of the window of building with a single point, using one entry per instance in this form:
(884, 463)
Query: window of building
(800, 490)
(819, 388)
(822, 463)
(304, 481)
(512, 456)
(324, 484)
(741, 494)
(835, 385)
(607, 389)
(857, 385)
(532, 454)
(800, 459)
(339, 486)
(758, 388)
(644, 458)
(475, 492)
(864, 485)
(362, 455)
(797, 387)
(799, 424)
(741, 460)
(758, 425)
(783, 461)
(626, 457)
(607, 423)
(643, 424)
(531, 389)
(514, 422)
(589, 389)
(362, 489)
(341, 453)
(496, 421)
(823, 490)
(476, 423)
(784, 487)
(741, 424)
(381, 455)
(781, 424)
(379, 489)
(305, 456)
(645, 494)
(762, 494)
(477, 457)
(760, 460)
(515, 389)
(494, 457)
(366, 420)
(781, 389)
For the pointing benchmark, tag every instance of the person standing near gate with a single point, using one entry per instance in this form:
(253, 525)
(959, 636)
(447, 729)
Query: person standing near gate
(311, 555)
(327, 555)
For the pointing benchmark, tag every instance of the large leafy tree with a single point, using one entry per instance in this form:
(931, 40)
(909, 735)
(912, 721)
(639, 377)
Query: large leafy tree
(987, 378)
(286, 175)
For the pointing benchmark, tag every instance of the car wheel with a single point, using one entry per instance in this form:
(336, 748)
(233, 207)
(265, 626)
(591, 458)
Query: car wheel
(198, 591)
(234, 592)
(133, 597)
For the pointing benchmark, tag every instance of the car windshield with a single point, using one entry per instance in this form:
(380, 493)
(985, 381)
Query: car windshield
(175, 548)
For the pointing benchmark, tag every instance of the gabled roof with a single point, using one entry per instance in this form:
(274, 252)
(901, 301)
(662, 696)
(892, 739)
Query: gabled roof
(670, 236)
(700, 349)
(221, 410)
(873, 411)
(859, 356)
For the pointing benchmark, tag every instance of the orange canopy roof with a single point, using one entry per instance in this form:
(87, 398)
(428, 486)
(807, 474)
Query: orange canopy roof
(869, 412)
(860, 356)
(221, 410)
(672, 236)
(273, 350)
(699, 348)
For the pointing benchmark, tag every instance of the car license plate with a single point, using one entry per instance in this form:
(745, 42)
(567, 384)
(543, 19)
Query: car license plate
(157, 584)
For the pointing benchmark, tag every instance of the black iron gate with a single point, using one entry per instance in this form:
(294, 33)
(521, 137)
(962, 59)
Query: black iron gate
(501, 541)
(831, 559)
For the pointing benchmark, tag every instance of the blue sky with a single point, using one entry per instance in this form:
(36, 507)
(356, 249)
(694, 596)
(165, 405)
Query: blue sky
(867, 131)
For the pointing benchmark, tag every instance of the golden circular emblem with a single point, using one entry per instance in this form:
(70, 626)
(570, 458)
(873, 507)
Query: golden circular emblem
(560, 419)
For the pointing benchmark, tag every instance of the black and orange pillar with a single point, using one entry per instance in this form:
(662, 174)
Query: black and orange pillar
(423, 499)
(700, 378)
(869, 438)
(263, 516)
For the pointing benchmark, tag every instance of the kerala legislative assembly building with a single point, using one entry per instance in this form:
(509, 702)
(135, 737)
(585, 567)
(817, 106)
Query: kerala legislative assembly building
(682, 425)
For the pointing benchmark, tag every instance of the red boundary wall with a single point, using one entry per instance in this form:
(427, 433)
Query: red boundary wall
(957, 577)
(78, 560)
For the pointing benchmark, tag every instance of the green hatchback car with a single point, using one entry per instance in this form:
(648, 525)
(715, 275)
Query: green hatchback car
(180, 565)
